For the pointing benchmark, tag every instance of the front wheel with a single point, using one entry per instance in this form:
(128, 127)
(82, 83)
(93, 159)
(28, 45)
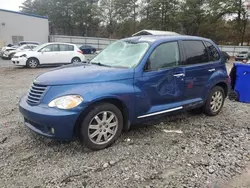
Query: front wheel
(101, 127)
(215, 101)
(32, 63)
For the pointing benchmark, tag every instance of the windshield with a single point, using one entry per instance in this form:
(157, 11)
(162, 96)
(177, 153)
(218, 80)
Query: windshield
(39, 47)
(121, 54)
(243, 52)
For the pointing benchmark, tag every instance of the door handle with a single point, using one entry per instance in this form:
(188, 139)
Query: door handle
(179, 75)
(211, 70)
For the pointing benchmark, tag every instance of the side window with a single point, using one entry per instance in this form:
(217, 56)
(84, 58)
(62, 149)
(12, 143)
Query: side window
(213, 53)
(165, 55)
(65, 47)
(196, 52)
(50, 48)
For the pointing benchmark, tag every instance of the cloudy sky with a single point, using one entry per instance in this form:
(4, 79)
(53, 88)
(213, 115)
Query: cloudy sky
(11, 4)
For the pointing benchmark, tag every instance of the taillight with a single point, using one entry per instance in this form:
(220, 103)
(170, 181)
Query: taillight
(80, 51)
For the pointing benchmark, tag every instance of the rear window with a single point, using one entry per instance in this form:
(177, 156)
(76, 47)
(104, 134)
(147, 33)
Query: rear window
(65, 47)
(196, 52)
(213, 53)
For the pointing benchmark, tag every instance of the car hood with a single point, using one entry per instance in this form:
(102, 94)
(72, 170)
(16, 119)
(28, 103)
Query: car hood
(83, 73)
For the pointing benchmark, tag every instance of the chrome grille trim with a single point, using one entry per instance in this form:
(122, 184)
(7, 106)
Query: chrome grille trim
(36, 93)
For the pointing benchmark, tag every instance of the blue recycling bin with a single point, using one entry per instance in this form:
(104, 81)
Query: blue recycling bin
(242, 82)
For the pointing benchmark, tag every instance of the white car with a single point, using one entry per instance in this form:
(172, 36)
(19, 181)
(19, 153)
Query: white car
(49, 53)
(26, 47)
(6, 49)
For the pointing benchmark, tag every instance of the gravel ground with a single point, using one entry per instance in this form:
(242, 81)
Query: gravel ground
(205, 152)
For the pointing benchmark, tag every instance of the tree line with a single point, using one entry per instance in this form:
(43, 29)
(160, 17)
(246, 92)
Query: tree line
(224, 21)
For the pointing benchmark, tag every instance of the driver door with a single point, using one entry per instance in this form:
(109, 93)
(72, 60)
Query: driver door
(49, 54)
(162, 82)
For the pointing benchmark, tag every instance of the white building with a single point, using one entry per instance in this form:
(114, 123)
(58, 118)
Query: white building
(18, 26)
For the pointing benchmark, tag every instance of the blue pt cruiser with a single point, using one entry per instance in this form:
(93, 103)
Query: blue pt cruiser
(130, 81)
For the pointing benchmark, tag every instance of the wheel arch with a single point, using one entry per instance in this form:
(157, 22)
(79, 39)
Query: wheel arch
(115, 101)
(33, 58)
(224, 86)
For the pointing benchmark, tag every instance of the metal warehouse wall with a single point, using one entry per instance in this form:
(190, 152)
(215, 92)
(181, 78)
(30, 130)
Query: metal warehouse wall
(30, 27)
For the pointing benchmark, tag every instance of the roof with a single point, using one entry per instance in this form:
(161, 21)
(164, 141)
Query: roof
(154, 32)
(154, 38)
(25, 14)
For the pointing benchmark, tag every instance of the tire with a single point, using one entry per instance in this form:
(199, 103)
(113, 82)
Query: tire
(76, 60)
(32, 63)
(233, 96)
(93, 137)
(215, 101)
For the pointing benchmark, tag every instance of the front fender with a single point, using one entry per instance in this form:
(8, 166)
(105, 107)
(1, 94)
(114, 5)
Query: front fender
(122, 90)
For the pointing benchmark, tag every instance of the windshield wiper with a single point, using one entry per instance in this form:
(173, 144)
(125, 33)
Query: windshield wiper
(100, 64)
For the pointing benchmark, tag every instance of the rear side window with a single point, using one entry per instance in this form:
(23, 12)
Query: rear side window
(164, 56)
(213, 53)
(65, 47)
(196, 52)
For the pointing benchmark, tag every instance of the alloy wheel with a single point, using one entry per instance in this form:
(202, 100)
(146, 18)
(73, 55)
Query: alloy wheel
(216, 101)
(103, 127)
(33, 63)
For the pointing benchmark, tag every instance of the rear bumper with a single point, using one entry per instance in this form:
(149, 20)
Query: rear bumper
(49, 122)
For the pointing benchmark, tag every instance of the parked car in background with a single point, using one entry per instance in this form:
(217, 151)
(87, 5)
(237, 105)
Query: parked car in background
(7, 49)
(25, 47)
(242, 56)
(86, 49)
(130, 81)
(10, 47)
(49, 53)
(28, 42)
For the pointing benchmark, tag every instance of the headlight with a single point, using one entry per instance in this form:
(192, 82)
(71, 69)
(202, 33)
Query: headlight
(66, 102)
(24, 55)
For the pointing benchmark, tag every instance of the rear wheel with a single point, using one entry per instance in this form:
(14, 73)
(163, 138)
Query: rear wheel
(76, 60)
(215, 101)
(32, 63)
(101, 127)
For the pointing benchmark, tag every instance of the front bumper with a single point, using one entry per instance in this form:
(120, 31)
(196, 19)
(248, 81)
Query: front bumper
(49, 122)
(19, 61)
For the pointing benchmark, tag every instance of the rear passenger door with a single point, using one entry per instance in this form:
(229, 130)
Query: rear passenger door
(200, 64)
(66, 53)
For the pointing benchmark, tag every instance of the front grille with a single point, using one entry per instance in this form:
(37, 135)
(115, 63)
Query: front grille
(36, 93)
